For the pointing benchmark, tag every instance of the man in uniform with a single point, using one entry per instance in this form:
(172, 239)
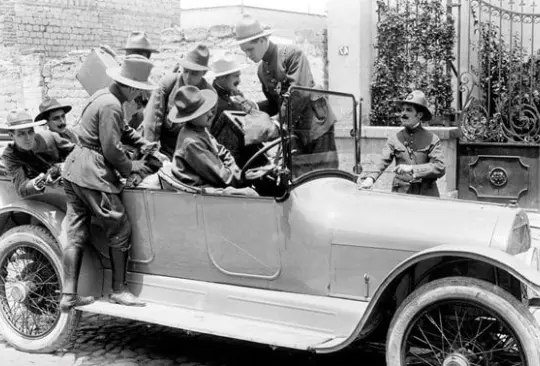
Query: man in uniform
(92, 180)
(417, 152)
(34, 159)
(139, 44)
(55, 115)
(156, 126)
(282, 67)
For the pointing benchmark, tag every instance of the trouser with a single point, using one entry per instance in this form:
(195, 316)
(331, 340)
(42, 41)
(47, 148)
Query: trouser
(109, 211)
(318, 154)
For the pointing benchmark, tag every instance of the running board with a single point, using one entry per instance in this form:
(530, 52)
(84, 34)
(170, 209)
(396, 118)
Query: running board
(219, 325)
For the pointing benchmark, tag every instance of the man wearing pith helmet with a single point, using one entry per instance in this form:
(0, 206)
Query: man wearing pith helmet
(92, 183)
(281, 67)
(417, 152)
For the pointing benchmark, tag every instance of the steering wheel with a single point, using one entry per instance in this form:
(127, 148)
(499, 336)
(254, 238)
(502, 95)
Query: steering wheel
(262, 171)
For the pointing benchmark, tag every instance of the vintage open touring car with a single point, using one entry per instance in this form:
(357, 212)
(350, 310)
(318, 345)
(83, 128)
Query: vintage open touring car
(315, 265)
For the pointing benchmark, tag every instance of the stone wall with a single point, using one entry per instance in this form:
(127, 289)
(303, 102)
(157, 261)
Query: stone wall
(59, 26)
(25, 78)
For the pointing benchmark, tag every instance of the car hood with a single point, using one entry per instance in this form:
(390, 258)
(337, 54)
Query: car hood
(402, 222)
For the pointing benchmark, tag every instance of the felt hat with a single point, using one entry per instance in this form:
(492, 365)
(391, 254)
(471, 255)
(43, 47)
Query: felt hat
(196, 59)
(226, 64)
(134, 72)
(18, 120)
(190, 103)
(248, 29)
(48, 105)
(138, 40)
(418, 99)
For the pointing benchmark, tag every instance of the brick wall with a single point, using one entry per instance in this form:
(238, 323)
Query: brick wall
(59, 26)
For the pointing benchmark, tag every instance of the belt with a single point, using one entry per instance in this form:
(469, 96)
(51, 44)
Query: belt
(92, 147)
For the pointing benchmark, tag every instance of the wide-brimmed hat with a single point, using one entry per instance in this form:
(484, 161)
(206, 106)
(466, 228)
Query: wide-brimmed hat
(418, 99)
(134, 72)
(48, 105)
(19, 119)
(196, 59)
(190, 103)
(138, 40)
(226, 64)
(248, 29)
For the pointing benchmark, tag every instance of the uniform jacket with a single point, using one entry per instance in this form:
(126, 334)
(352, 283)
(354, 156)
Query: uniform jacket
(224, 102)
(284, 66)
(156, 125)
(200, 161)
(419, 148)
(22, 166)
(100, 158)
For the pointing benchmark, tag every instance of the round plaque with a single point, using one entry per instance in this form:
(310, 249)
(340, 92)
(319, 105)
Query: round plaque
(498, 177)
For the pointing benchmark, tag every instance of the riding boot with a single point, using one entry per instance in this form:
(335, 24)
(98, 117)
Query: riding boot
(72, 262)
(120, 293)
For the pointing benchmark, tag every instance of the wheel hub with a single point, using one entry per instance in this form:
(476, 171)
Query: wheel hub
(20, 291)
(456, 359)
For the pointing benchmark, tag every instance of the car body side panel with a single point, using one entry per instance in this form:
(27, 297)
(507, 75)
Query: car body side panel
(513, 265)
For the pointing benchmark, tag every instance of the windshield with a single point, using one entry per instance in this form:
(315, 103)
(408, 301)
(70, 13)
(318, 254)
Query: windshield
(322, 130)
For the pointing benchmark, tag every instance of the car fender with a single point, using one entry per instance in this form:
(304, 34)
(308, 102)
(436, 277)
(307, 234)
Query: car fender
(515, 265)
(49, 215)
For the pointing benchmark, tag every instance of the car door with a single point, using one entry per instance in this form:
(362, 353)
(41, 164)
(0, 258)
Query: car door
(243, 238)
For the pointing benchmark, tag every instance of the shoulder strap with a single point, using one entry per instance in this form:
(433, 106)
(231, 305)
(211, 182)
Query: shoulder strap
(92, 99)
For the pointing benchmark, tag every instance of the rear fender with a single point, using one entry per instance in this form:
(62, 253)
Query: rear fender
(91, 277)
(515, 266)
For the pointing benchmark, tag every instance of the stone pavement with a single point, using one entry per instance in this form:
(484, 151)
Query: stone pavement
(102, 340)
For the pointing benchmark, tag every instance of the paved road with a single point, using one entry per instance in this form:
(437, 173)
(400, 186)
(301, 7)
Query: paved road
(102, 340)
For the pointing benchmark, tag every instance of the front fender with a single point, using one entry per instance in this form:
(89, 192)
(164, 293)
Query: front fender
(495, 257)
(50, 216)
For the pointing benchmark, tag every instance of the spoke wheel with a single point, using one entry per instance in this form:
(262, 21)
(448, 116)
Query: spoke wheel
(30, 290)
(462, 322)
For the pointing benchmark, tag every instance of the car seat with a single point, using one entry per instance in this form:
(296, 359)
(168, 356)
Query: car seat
(170, 183)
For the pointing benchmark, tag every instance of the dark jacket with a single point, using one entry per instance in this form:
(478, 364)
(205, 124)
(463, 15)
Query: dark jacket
(22, 166)
(100, 159)
(224, 102)
(156, 126)
(200, 161)
(419, 148)
(70, 135)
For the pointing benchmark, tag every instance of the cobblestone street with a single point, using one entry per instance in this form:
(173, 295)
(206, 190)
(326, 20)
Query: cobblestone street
(102, 340)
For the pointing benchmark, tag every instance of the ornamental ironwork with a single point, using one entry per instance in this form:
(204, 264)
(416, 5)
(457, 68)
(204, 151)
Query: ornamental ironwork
(499, 72)
(498, 177)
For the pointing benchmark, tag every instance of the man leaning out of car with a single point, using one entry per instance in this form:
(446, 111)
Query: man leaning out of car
(34, 159)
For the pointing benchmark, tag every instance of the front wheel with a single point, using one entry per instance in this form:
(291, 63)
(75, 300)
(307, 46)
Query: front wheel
(30, 290)
(462, 321)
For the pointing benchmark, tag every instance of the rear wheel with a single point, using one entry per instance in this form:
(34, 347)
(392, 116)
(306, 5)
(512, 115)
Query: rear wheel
(30, 290)
(462, 321)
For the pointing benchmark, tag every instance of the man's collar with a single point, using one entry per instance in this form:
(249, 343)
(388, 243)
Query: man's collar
(115, 90)
(413, 130)
(270, 52)
(221, 90)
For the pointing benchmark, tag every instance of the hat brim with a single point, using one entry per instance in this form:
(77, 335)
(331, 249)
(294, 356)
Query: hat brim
(228, 72)
(427, 113)
(41, 115)
(151, 50)
(192, 65)
(5, 128)
(114, 73)
(209, 103)
(252, 38)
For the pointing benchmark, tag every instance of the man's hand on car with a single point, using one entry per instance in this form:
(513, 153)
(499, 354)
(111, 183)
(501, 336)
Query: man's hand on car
(366, 183)
(140, 167)
(403, 169)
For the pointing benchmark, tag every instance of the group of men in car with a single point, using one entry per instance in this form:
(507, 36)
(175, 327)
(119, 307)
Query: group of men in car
(172, 124)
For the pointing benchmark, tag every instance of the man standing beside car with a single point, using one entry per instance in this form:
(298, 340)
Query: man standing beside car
(55, 115)
(282, 67)
(34, 159)
(92, 180)
(417, 152)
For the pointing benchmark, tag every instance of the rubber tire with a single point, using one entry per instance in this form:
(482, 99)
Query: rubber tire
(67, 323)
(479, 292)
